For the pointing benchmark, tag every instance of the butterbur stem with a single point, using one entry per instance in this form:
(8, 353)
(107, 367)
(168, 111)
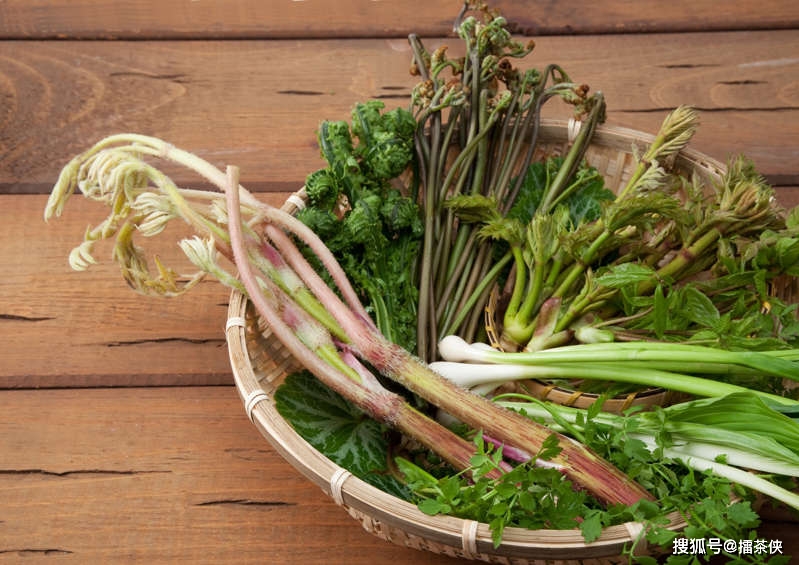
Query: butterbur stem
(391, 360)
(380, 404)
(604, 481)
(588, 470)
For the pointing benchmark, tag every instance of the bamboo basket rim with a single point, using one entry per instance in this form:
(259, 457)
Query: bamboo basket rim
(394, 519)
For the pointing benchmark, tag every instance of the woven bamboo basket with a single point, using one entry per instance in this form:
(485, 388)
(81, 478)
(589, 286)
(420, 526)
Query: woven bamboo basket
(260, 363)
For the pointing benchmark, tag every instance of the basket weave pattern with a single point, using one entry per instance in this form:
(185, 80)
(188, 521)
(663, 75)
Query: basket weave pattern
(260, 362)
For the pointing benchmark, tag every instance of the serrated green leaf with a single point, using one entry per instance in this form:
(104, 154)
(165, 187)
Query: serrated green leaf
(432, 507)
(591, 526)
(626, 274)
(337, 429)
(527, 501)
(498, 509)
(792, 219)
(636, 449)
(698, 308)
(741, 513)
(584, 202)
(661, 537)
(473, 207)
(550, 448)
(788, 253)
(497, 526)
(450, 487)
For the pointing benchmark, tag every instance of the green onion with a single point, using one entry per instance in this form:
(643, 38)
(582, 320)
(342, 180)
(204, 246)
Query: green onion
(641, 363)
(738, 429)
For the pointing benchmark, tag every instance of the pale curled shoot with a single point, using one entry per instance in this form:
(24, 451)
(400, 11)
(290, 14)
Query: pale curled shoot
(204, 254)
(81, 258)
(676, 132)
(137, 271)
(155, 212)
(141, 200)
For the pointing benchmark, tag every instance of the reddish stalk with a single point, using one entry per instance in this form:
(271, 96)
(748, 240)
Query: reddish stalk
(306, 272)
(284, 220)
(584, 467)
(381, 404)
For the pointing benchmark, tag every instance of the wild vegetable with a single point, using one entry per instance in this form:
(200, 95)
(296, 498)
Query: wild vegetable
(668, 257)
(478, 123)
(692, 369)
(372, 228)
(708, 434)
(333, 338)
(708, 493)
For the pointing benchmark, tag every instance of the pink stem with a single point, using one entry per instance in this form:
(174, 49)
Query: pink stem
(302, 267)
(330, 376)
(382, 405)
(512, 453)
(368, 378)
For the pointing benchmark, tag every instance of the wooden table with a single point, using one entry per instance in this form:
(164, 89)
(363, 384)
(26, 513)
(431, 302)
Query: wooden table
(122, 438)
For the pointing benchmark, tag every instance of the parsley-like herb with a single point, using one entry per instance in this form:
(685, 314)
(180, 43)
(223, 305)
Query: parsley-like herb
(532, 495)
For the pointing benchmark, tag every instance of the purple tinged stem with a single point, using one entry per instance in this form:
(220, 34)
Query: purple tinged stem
(598, 476)
(382, 405)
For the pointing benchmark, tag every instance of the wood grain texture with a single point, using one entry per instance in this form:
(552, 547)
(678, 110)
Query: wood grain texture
(111, 451)
(172, 475)
(176, 475)
(150, 19)
(61, 328)
(257, 104)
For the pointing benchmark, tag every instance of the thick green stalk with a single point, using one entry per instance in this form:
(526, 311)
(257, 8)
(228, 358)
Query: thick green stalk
(578, 268)
(471, 374)
(519, 286)
(646, 351)
(556, 191)
(684, 259)
(533, 298)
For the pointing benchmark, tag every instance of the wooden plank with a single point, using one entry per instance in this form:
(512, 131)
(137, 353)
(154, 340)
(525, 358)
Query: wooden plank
(61, 328)
(257, 103)
(172, 475)
(175, 475)
(352, 18)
